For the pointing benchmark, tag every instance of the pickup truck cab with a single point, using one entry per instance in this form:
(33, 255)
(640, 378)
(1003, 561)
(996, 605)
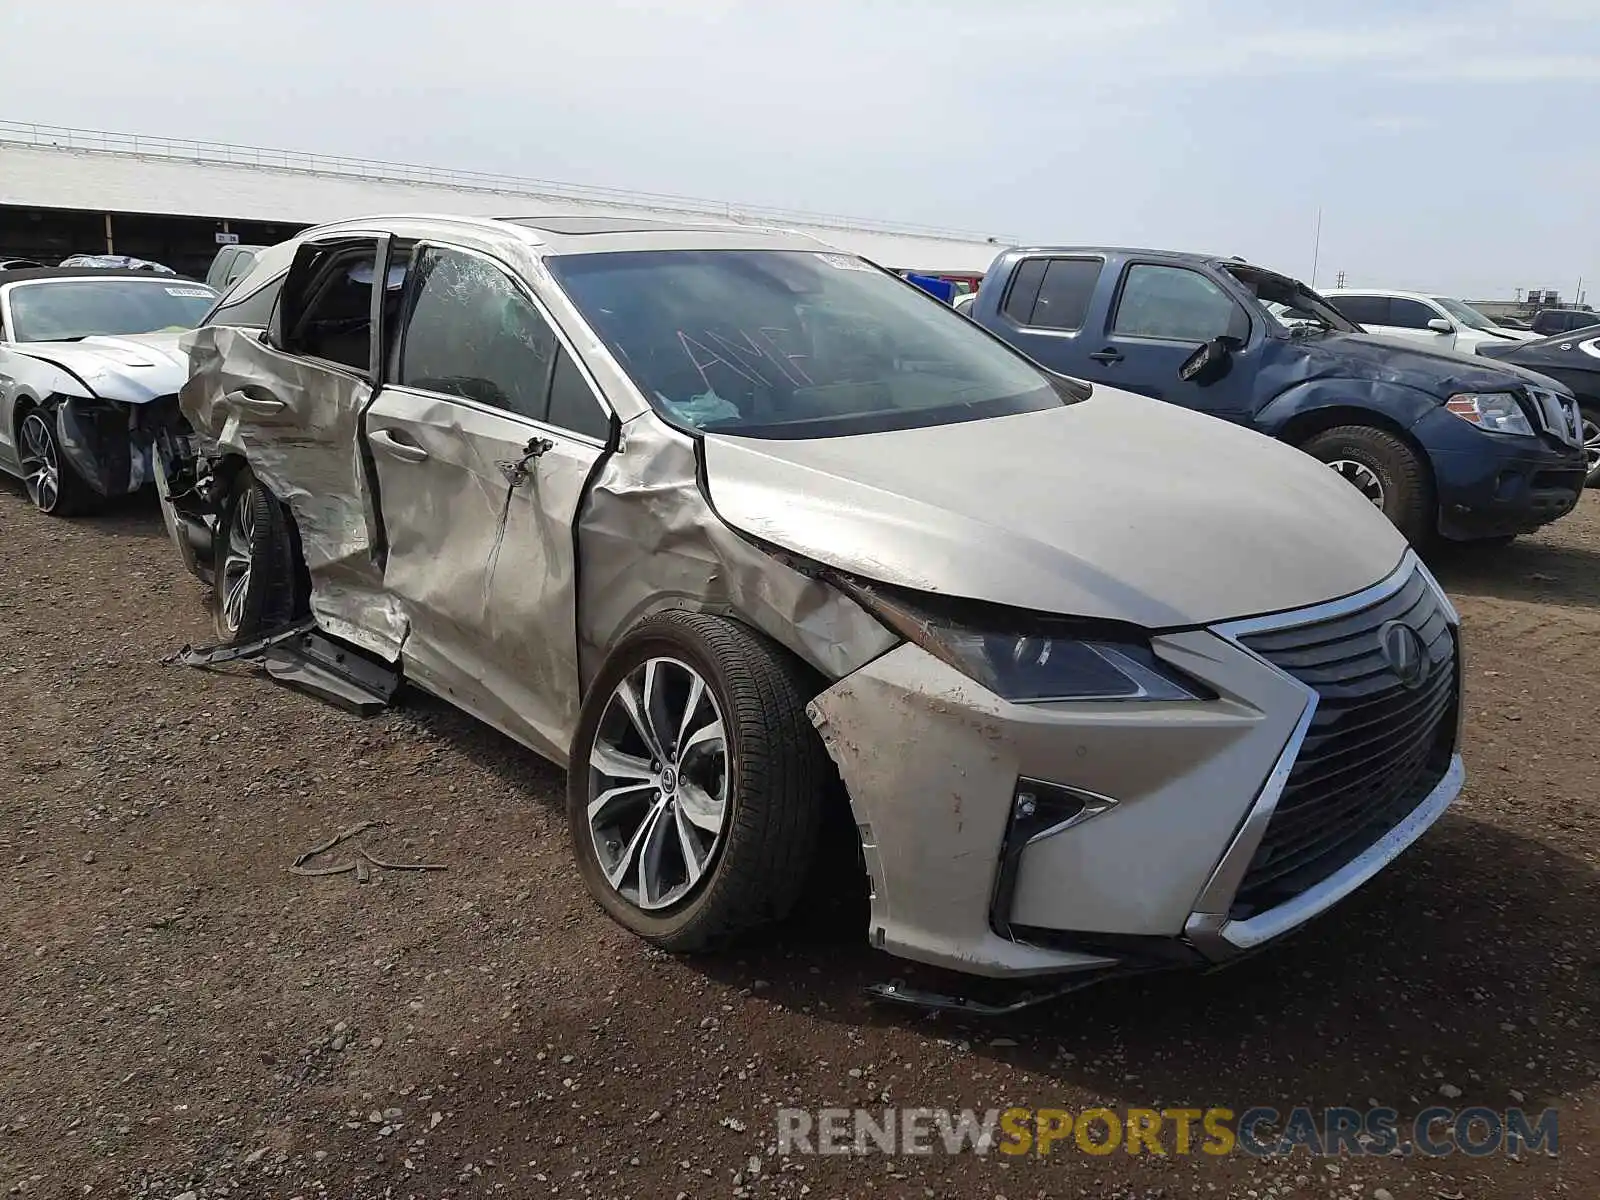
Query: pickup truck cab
(1445, 444)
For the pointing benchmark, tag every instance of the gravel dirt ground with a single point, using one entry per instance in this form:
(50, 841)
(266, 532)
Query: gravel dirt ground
(181, 1015)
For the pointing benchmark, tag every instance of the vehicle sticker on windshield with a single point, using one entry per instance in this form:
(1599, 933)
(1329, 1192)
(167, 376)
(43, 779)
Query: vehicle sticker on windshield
(197, 293)
(844, 262)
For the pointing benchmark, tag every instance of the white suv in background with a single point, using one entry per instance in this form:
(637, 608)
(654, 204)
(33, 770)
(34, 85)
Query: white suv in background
(1441, 322)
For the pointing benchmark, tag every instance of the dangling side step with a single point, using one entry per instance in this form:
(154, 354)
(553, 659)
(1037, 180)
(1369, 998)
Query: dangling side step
(305, 658)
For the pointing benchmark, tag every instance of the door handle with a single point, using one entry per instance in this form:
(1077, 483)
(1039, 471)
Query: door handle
(398, 445)
(1109, 355)
(255, 406)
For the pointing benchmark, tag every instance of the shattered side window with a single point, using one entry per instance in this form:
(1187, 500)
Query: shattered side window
(472, 333)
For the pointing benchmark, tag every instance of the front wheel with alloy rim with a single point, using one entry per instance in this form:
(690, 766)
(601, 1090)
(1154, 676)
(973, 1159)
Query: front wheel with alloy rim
(1385, 470)
(1590, 411)
(257, 579)
(696, 785)
(51, 482)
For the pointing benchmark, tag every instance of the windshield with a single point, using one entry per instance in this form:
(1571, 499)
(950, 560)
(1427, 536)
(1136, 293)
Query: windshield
(793, 344)
(1291, 303)
(55, 310)
(1465, 313)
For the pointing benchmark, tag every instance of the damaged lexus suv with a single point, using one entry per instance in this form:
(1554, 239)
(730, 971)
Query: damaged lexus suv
(736, 527)
(84, 352)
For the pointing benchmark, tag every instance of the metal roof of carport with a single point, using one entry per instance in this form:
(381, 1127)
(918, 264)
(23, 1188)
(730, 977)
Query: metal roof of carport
(44, 166)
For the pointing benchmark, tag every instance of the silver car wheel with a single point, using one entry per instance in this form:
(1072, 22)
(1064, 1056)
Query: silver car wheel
(1363, 477)
(658, 783)
(41, 469)
(236, 563)
(1591, 446)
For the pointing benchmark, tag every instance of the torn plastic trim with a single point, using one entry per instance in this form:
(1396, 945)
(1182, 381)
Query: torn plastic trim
(104, 443)
(306, 659)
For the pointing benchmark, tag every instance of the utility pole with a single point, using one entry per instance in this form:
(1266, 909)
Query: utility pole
(1316, 246)
(1339, 280)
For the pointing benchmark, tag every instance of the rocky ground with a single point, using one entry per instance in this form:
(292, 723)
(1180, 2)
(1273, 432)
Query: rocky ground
(183, 1016)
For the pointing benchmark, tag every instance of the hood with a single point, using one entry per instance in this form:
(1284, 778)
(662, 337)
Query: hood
(133, 369)
(1440, 372)
(1116, 507)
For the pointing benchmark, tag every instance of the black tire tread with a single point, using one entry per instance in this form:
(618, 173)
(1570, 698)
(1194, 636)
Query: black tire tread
(1412, 509)
(784, 776)
(277, 596)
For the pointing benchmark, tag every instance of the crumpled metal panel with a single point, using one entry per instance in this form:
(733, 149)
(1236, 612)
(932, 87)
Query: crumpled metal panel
(648, 541)
(297, 426)
(481, 561)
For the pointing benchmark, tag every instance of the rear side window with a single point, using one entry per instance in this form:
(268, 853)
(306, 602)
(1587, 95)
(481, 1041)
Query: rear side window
(1025, 282)
(336, 322)
(1175, 304)
(472, 333)
(1363, 310)
(249, 311)
(1409, 314)
(1064, 295)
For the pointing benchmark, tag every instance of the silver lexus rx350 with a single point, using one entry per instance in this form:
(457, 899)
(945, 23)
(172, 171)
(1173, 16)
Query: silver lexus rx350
(736, 527)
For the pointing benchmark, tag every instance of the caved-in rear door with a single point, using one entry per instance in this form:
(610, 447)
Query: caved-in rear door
(291, 402)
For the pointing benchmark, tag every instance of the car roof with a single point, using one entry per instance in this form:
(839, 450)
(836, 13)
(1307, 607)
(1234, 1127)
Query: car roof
(22, 274)
(1180, 256)
(583, 233)
(1391, 292)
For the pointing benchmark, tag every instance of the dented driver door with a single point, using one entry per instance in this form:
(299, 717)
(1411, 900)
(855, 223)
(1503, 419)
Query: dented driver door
(479, 492)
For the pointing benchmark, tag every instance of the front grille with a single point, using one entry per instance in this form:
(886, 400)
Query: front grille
(1375, 748)
(1558, 415)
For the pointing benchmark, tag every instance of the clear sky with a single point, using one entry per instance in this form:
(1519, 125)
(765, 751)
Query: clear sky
(1450, 146)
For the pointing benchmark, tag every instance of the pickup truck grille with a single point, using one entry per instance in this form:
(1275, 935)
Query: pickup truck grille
(1375, 747)
(1558, 415)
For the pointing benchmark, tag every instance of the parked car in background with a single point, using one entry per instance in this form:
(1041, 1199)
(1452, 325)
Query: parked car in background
(1444, 444)
(116, 262)
(1551, 321)
(1438, 322)
(83, 352)
(692, 510)
(963, 303)
(230, 263)
(1574, 359)
(18, 264)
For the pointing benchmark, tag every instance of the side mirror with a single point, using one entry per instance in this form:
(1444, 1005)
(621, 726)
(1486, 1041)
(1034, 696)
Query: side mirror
(1440, 325)
(1210, 363)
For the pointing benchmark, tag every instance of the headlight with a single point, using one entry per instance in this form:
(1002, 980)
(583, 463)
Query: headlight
(1498, 412)
(1035, 668)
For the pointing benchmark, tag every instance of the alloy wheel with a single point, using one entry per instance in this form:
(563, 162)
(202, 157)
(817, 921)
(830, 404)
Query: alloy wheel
(41, 466)
(1591, 444)
(658, 784)
(237, 563)
(1362, 477)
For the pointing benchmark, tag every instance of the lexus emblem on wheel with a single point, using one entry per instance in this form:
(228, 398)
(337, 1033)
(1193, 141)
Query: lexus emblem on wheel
(1403, 650)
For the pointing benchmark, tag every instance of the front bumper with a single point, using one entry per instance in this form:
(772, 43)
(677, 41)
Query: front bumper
(1153, 869)
(1493, 485)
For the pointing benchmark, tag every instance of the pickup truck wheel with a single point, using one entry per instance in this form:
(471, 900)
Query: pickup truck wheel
(256, 573)
(1591, 439)
(1385, 469)
(696, 786)
(53, 486)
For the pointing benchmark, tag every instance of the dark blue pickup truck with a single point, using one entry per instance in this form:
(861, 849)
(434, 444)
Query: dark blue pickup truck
(1446, 444)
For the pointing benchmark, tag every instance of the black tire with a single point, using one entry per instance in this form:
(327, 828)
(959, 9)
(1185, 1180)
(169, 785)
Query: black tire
(1407, 493)
(273, 592)
(778, 776)
(53, 484)
(1591, 427)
